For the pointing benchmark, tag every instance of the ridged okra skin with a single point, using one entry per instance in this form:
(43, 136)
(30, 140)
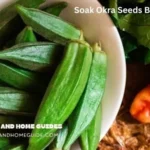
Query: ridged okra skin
(59, 141)
(90, 137)
(63, 92)
(17, 102)
(90, 99)
(39, 56)
(49, 26)
(21, 79)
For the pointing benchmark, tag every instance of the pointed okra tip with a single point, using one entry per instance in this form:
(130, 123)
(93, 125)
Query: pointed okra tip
(28, 28)
(97, 47)
(20, 9)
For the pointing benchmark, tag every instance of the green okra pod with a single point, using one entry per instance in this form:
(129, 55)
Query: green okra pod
(49, 26)
(10, 22)
(22, 79)
(63, 92)
(14, 101)
(26, 35)
(60, 139)
(90, 137)
(56, 8)
(90, 99)
(40, 56)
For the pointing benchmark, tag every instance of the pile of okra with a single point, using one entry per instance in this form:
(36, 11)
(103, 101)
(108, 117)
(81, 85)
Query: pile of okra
(50, 77)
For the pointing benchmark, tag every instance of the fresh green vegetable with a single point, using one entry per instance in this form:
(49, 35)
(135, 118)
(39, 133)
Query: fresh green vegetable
(21, 79)
(38, 56)
(63, 92)
(49, 26)
(13, 101)
(56, 8)
(10, 23)
(76, 87)
(89, 139)
(90, 99)
(26, 35)
(60, 139)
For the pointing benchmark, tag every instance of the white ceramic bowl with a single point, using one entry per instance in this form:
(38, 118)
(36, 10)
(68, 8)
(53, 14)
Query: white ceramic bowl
(99, 27)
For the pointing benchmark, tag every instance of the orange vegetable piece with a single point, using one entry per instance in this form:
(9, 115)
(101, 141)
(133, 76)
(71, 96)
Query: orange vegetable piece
(140, 108)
